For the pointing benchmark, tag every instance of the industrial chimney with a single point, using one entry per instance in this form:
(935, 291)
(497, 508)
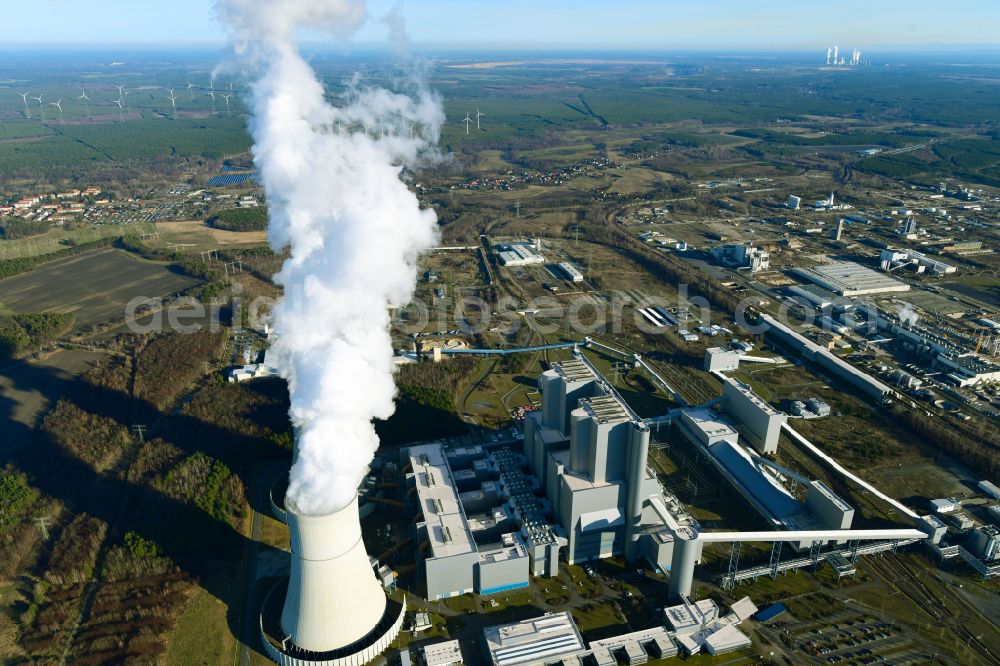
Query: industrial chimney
(335, 611)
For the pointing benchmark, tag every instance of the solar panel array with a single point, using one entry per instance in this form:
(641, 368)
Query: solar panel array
(232, 179)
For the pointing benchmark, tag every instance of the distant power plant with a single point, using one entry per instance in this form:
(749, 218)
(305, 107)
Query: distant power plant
(833, 57)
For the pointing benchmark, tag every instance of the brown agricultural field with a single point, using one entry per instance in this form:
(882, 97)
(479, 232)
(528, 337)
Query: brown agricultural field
(94, 286)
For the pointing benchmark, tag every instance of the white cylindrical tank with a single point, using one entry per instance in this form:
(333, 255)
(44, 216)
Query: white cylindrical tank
(334, 598)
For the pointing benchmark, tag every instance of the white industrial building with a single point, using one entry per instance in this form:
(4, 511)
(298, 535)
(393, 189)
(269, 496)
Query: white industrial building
(552, 638)
(946, 505)
(590, 450)
(570, 272)
(847, 278)
(986, 543)
(990, 489)
(820, 298)
(826, 359)
(718, 359)
(890, 260)
(480, 528)
(745, 255)
(555, 639)
(519, 254)
(699, 626)
(445, 653)
(758, 421)
(634, 648)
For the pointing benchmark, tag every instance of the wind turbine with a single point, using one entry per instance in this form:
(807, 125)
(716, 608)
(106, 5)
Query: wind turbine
(478, 116)
(211, 93)
(468, 123)
(24, 97)
(39, 100)
(226, 97)
(173, 101)
(58, 105)
(121, 109)
(83, 95)
(190, 94)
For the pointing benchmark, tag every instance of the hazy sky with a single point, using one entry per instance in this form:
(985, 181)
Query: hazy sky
(764, 24)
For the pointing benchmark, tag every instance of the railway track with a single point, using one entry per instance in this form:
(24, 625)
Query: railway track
(898, 575)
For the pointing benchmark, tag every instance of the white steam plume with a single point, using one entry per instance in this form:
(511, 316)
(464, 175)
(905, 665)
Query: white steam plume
(354, 228)
(907, 314)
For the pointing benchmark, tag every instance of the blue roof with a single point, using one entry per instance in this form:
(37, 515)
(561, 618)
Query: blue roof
(772, 611)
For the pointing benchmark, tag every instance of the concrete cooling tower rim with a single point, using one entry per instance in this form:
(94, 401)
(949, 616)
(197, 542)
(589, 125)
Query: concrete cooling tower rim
(285, 653)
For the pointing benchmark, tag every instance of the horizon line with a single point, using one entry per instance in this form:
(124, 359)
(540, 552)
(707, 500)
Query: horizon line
(498, 47)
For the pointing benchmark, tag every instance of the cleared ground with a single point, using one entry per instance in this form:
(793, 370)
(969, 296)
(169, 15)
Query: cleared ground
(56, 239)
(196, 236)
(95, 286)
(29, 388)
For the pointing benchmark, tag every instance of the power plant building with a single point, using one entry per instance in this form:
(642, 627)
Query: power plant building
(481, 527)
(786, 335)
(743, 255)
(719, 359)
(590, 449)
(847, 278)
(552, 638)
(761, 422)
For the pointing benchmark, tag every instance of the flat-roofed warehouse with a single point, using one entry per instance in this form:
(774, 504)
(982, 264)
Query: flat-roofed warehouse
(542, 640)
(847, 278)
(519, 254)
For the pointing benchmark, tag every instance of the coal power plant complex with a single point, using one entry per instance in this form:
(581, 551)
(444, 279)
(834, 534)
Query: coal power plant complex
(579, 488)
(493, 513)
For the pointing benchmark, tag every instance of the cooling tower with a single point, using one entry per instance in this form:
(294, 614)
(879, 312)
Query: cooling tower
(335, 611)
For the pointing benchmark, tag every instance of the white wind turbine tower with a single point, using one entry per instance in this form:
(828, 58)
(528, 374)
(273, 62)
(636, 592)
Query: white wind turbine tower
(190, 94)
(226, 97)
(83, 94)
(173, 102)
(39, 100)
(211, 93)
(121, 109)
(478, 116)
(468, 123)
(24, 97)
(58, 105)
